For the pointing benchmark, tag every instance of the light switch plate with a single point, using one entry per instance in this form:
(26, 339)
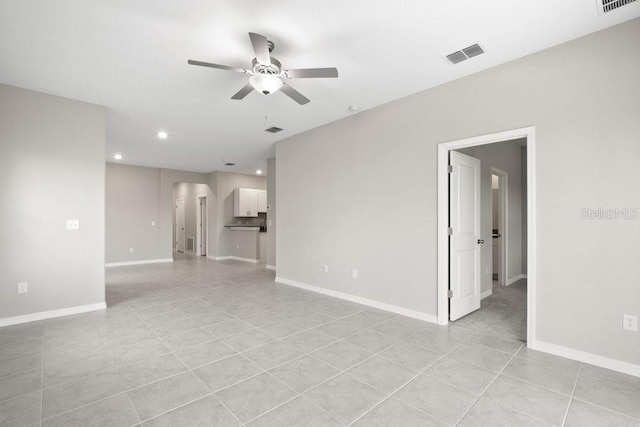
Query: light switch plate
(73, 224)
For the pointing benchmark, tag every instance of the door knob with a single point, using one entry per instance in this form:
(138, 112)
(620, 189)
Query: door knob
(480, 241)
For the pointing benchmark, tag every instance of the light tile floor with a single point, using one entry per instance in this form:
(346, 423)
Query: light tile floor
(199, 342)
(503, 313)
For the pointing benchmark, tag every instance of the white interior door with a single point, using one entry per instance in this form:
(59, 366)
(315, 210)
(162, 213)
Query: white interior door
(180, 232)
(464, 240)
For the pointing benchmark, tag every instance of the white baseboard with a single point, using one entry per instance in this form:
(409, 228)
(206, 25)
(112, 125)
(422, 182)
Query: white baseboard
(237, 258)
(360, 300)
(486, 294)
(271, 267)
(515, 279)
(593, 359)
(144, 261)
(51, 314)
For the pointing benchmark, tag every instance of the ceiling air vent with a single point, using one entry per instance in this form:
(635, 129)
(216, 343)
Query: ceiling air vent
(273, 129)
(605, 6)
(467, 53)
(456, 57)
(473, 50)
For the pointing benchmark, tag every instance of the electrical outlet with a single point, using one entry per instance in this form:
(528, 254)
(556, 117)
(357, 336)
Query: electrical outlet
(130, 250)
(354, 273)
(326, 268)
(237, 246)
(630, 322)
(73, 224)
(153, 223)
(23, 288)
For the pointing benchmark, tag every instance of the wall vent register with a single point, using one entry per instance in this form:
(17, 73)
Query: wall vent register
(606, 6)
(466, 53)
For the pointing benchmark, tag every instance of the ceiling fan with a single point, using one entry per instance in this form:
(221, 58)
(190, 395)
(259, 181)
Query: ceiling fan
(267, 75)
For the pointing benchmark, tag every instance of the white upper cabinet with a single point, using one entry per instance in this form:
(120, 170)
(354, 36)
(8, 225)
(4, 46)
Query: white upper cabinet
(262, 201)
(245, 202)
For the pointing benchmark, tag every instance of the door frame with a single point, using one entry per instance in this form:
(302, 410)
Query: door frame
(443, 220)
(199, 226)
(175, 225)
(503, 220)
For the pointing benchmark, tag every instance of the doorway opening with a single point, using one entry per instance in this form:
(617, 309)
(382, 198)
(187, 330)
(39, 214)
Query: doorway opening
(191, 217)
(465, 263)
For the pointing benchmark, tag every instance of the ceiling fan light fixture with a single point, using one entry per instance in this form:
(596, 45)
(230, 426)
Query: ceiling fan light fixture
(266, 83)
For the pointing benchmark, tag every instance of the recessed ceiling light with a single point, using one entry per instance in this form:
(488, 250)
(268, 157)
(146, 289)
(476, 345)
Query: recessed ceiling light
(117, 156)
(354, 108)
(163, 135)
(259, 171)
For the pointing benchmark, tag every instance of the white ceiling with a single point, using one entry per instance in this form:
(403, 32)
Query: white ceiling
(131, 56)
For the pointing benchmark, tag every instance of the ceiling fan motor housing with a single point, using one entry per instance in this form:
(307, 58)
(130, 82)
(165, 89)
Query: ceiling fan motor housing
(274, 68)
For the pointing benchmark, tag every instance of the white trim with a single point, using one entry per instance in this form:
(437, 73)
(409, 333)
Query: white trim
(360, 300)
(515, 279)
(144, 261)
(237, 258)
(443, 214)
(271, 267)
(503, 229)
(593, 359)
(486, 294)
(198, 244)
(51, 314)
(175, 226)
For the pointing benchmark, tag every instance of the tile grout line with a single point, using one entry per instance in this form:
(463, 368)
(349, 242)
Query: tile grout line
(607, 409)
(487, 387)
(420, 372)
(339, 371)
(517, 379)
(573, 391)
(135, 410)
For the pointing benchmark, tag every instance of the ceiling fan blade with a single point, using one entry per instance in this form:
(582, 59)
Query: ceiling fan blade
(294, 94)
(261, 48)
(221, 67)
(308, 73)
(246, 90)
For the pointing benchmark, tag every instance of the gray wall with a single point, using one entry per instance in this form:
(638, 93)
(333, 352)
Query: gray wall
(52, 163)
(271, 213)
(505, 156)
(132, 204)
(137, 195)
(362, 192)
(228, 240)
